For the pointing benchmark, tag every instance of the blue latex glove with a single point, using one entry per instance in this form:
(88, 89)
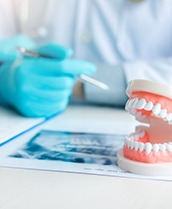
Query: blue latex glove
(40, 87)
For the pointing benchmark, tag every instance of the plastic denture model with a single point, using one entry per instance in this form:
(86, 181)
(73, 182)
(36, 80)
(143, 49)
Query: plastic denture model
(148, 151)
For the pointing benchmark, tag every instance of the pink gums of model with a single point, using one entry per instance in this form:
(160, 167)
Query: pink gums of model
(150, 103)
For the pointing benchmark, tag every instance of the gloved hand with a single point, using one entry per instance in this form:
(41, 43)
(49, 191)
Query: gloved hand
(40, 87)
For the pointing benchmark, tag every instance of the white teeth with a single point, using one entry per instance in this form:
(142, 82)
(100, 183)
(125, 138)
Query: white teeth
(162, 147)
(149, 106)
(141, 104)
(134, 102)
(142, 118)
(136, 146)
(141, 146)
(142, 134)
(132, 106)
(169, 147)
(128, 104)
(169, 117)
(136, 137)
(155, 148)
(133, 111)
(163, 113)
(131, 136)
(148, 147)
(156, 109)
(132, 143)
(127, 142)
(131, 101)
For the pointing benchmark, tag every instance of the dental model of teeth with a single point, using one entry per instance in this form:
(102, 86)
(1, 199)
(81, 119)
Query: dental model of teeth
(148, 150)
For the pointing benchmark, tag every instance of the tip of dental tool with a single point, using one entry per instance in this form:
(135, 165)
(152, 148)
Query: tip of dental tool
(31, 53)
(85, 78)
(26, 52)
(94, 82)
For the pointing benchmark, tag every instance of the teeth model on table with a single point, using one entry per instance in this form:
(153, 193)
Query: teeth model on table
(148, 151)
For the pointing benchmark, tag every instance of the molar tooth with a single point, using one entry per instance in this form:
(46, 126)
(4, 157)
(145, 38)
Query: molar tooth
(169, 147)
(136, 146)
(143, 118)
(132, 144)
(134, 103)
(128, 143)
(169, 117)
(149, 106)
(131, 137)
(127, 106)
(141, 146)
(162, 147)
(155, 148)
(136, 137)
(142, 134)
(130, 102)
(133, 111)
(141, 104)
(148, 147)
(163, 113)
(156, 109)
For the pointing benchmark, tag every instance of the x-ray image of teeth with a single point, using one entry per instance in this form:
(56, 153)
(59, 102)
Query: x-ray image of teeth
(72, 147)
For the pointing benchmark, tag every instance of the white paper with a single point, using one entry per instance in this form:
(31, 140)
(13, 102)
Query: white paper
(89, 161)
(76, 120)
(13, 124)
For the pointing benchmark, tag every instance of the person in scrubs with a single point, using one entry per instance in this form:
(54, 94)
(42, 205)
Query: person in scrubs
(114, 41)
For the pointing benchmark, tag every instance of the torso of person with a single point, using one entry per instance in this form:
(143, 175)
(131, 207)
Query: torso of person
(111, 31)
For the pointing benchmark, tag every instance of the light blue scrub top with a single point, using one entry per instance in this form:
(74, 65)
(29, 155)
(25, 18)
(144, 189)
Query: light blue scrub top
(126, 40)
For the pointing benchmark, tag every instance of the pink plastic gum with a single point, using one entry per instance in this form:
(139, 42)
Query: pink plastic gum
(149, 149)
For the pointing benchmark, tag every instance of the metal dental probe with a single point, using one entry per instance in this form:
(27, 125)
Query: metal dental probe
(82, 77)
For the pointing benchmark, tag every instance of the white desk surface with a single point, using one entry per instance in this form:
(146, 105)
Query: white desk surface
(31, 189)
